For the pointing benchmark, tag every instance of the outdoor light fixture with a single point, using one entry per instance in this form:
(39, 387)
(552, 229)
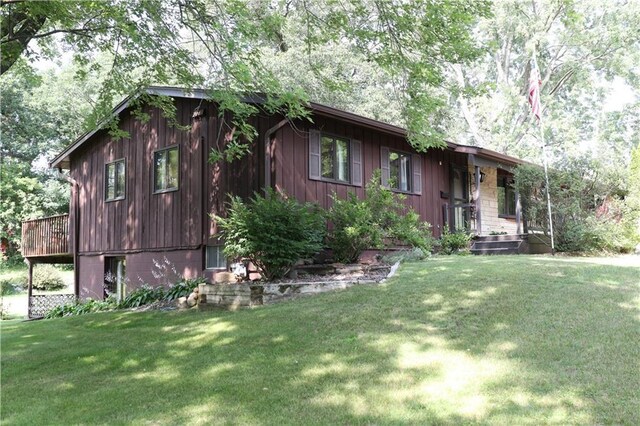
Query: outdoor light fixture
(482, 175)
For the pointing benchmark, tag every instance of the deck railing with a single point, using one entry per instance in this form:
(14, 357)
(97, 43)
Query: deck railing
(48, 236)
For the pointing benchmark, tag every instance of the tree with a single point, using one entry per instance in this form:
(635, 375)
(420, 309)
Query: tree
(579, 45)
(221, 44)
(40, 114)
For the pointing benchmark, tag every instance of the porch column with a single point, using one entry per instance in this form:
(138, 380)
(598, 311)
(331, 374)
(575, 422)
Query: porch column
(29, 288)
(518, 214)
(476, 199)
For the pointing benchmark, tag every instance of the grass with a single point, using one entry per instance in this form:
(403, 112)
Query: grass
(493, 340)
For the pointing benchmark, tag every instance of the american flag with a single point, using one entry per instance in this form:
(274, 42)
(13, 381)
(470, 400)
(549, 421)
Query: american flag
(535, 85)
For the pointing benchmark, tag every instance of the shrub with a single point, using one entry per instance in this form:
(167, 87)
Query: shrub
(8, 287)
(454, 242)
(143, 295)
(183, 288)
(273, 232)
(47, 277)
(354, 229)
(12, 282)
(593, 209)
(380, 220)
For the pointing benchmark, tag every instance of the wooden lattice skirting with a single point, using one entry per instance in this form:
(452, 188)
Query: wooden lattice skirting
(40, 304)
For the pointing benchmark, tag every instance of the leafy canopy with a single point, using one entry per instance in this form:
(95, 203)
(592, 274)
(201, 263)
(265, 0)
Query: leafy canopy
(222, 45)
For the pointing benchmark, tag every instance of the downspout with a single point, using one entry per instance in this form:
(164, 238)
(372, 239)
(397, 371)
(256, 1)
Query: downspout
(477, 201)
(267, 153)
(204, 119)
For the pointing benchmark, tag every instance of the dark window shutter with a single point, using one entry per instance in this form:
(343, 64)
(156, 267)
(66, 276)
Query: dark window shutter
(384, 165)
(314, 155)
(417, 173)
(356, 162)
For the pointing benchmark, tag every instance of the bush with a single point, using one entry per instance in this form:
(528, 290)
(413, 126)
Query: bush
(593, 209)
(380, 220)
(142, 296)
(354, 229)
(8, 287)
(47, 277)
(183, 288)
(273, 232)
(12, 282)
(457, 242)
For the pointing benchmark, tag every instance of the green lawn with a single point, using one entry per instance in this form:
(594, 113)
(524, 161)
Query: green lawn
(497, 340)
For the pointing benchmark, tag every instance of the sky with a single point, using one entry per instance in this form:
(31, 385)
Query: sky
(621, 94)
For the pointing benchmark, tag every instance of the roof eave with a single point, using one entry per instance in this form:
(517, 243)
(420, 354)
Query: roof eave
(62, 160)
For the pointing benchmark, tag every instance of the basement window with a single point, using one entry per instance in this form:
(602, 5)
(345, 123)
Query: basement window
(215, 258)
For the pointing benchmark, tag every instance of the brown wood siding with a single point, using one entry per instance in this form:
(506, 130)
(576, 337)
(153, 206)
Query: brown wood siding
(291, 166)
(178, 219)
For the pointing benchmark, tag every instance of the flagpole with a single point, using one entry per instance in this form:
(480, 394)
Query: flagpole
(546, 180)
(545, 162)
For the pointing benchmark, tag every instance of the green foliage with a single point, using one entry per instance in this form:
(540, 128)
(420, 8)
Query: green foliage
(12, 280)
(47, 278)
(8, 287)
(457, 242)
(589, 210)
(143, 295)
(571, 40)
(273, 232)
(81, 308)
(183, 288)
(380, 220)
(226, 45)
(354, 228)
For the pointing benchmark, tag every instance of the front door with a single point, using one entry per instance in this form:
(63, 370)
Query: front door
(114, 277)
(459, 199)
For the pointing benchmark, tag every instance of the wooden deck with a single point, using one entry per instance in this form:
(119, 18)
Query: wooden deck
(46, 238)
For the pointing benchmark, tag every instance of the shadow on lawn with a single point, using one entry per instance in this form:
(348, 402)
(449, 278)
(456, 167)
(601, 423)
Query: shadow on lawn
(457, 347)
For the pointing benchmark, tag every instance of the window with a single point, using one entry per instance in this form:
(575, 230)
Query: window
(506, 197)
(215, 258)
(400, 171)
(335, 158)
(165, 169)
(115, 180)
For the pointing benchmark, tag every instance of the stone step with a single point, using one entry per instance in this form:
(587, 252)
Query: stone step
(496, 244)
(494, 251)
(508, 237)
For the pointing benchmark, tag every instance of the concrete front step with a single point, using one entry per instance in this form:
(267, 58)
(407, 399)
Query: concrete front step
(496, 244)
(503, 237)
(494, 251)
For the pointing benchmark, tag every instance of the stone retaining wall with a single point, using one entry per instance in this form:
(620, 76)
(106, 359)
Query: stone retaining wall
(234, 296)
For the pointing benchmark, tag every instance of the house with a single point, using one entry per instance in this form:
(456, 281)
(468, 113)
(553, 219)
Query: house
(141, 205)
